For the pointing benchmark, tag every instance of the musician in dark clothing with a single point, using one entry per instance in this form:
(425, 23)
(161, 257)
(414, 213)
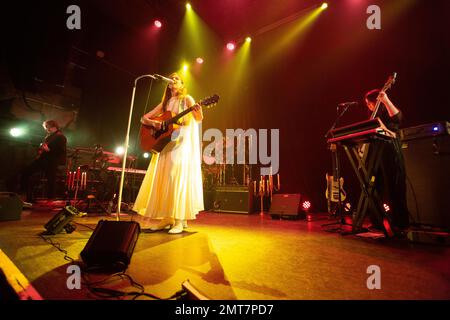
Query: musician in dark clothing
(391, 177)
(52, 153)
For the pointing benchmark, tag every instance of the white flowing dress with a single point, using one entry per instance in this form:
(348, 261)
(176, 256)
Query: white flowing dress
(172, 186)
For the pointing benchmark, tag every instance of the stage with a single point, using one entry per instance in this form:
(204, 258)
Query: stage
(238, 257)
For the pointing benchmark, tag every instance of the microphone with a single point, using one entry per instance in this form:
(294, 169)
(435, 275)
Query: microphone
(160, 77)
(348, 104)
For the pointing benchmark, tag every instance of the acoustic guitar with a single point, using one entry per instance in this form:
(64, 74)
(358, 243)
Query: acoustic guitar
(154, 140)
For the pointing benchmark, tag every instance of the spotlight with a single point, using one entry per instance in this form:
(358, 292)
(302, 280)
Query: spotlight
(120, 150)
(324, 6)
(230, 46)
(146, 155)
(306, 205)
(16, 132)
(248, 39)
(347, 207)
(435, 128)
(386, 207)
(157, 24)
(199, 60)
(185, 67)
(188, 6)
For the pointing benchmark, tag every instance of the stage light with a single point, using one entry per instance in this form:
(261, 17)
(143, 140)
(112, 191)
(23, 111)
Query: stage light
(120, 150)
(199, 60)
(324, 6)
(16, 132)
(185, 67)
(436, 129)
(230, 46)
(348, 207)
(386, 207)
(306, 205)
(248, 39)
(146, 155)
(188, 6)
(157, 24)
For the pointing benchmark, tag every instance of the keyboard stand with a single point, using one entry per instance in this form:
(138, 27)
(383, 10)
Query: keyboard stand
(369, 199)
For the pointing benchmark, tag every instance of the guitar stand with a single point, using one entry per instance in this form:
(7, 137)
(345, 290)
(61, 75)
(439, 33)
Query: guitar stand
(369, 198)
(339, 210)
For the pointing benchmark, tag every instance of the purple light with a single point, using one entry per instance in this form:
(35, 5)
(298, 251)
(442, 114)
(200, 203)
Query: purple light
(436, 129)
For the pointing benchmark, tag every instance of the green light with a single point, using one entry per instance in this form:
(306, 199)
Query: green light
(16, 132)
(120, 150)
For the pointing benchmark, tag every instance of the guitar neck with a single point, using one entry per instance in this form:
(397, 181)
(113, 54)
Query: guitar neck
(334, 163)
(181, 115)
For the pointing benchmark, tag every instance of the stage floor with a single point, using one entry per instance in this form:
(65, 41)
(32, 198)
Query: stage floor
(232, 256)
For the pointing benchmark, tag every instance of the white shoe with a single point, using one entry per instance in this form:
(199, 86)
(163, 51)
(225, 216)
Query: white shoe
(165, 223)
(177, 228)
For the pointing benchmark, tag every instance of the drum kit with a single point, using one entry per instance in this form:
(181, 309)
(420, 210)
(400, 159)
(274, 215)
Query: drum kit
(89, 176)
(216, 171)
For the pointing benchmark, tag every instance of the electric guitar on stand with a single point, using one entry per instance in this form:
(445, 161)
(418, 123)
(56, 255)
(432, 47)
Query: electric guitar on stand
(334, 185)
(154, 140)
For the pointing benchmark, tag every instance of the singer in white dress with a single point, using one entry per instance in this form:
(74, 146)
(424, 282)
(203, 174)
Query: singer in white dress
(172, 189)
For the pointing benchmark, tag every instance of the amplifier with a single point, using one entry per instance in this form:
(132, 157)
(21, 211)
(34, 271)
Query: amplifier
(10, 206)
(233, 199)
(111, 245)
(425, 130)
(285, 206)
(427, 169)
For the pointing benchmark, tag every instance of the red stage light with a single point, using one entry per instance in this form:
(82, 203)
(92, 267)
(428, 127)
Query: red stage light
(157, 24)
(306, 205)
(230, 46)
(199, 60)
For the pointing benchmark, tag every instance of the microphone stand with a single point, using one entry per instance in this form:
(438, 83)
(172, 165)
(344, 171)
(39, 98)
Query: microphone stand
(127, 139)
(338, 174)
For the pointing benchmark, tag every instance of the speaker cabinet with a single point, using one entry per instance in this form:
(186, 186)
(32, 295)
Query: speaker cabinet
(10, 206)
(286, 206)
(111, 246)
(427, 162)
(233, 199)
(62, 220)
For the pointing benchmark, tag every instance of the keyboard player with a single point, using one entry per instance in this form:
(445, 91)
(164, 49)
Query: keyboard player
(391, 176)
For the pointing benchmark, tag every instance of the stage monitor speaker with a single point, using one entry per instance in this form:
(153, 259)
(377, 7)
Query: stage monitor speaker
(427, 163)
(62, 220)
(111, 246)
(286, 206)
(10, 206)
(233, 199)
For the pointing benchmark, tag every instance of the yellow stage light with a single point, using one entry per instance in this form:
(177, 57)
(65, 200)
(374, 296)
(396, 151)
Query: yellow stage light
(188, 6)
(248, 39)
(324, 6)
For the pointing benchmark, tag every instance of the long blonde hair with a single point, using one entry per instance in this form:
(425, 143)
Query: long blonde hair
(168, 92)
